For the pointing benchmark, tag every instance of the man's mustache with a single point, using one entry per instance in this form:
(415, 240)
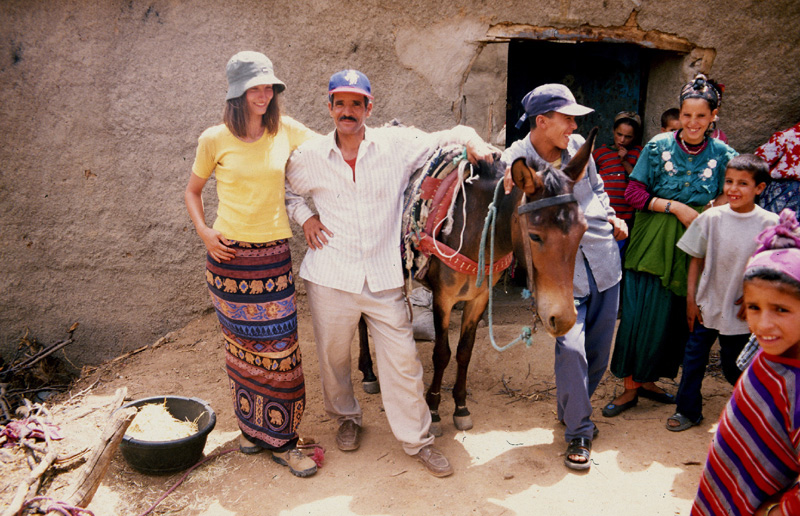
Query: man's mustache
(345, 117)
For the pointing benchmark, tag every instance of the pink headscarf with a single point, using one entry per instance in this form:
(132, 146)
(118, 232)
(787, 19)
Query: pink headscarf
(779, 247)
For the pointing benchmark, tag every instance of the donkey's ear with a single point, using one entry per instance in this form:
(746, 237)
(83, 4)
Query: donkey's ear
(525, 178)
(577, 165)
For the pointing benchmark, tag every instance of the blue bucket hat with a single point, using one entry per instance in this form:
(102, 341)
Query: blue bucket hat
(351, 81)
(551, 97)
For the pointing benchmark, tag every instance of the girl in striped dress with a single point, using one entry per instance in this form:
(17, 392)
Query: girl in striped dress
(754, 460)
(615, 163)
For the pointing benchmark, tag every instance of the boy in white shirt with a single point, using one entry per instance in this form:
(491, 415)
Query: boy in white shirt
(720, 241)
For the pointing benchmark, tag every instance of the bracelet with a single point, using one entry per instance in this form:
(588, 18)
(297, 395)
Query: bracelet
(666, 208)
(769, 509)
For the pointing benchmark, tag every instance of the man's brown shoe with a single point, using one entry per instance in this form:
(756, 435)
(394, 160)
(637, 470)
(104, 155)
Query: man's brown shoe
(348, 437)
(435, 461)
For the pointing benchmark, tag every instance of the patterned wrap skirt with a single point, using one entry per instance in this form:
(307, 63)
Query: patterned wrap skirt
(254, 297)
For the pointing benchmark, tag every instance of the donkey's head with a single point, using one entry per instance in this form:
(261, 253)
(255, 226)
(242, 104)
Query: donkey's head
(553, 225)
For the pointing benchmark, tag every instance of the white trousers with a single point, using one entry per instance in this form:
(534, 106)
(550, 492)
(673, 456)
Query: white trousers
(335, 315)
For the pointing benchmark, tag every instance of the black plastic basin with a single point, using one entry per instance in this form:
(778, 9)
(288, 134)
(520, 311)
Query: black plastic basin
(161, 457)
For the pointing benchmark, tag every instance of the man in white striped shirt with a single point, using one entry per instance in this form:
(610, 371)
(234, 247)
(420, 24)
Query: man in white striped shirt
(356, 176)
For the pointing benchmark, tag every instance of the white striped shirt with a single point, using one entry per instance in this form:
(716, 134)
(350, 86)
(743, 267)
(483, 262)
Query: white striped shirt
(364, 215)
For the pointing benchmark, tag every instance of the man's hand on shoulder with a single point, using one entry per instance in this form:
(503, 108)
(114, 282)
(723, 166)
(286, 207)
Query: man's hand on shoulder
(508, 181)
(619, 227)
(479, 150)
(315, 232)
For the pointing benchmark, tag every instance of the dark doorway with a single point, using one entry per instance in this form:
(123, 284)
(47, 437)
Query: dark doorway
(609, 77)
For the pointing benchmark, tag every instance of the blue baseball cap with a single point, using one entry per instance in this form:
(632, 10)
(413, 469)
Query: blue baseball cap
(551, 97)
(351, 81)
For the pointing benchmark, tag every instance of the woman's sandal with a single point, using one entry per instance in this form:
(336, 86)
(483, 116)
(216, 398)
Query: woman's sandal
(582, 447)
(613, 410)
(660, 397)
(684, 423)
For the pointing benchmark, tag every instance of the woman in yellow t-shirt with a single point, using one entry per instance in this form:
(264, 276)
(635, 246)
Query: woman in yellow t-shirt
(249, 265)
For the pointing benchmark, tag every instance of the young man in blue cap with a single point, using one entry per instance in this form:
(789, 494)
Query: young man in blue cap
(356, 176)
(582, 354)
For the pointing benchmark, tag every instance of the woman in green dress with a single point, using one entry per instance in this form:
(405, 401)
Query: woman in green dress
(677, 175)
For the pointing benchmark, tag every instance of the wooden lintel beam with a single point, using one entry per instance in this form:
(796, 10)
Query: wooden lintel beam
(624, 34)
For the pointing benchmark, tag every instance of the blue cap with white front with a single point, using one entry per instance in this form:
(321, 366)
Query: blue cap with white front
(551, 97)
(351, 81)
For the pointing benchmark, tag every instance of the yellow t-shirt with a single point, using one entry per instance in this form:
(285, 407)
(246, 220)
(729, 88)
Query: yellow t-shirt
(250, 179)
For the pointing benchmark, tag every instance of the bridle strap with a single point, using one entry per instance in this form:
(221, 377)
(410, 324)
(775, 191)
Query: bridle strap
(528, 207)
(523, 224)
(546, 203)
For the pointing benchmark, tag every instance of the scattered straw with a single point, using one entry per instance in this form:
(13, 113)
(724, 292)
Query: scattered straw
(155, 423)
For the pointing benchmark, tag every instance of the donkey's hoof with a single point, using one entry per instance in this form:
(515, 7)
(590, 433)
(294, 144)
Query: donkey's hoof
(462, 418)
(463, 422)
(436, 429)
(372, 387)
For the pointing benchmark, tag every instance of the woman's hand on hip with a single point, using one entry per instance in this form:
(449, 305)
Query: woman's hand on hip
(216, 245)
(315, 232)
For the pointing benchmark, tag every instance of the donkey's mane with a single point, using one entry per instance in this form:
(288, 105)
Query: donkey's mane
(555, 181)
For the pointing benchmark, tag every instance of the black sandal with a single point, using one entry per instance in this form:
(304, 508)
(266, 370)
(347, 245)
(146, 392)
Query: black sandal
(660, 397)
(579, 446)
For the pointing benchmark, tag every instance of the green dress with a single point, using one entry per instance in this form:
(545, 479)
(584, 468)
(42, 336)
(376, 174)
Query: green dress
(653, 331)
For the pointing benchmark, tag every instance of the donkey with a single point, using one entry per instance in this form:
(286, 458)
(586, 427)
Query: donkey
(548, 230)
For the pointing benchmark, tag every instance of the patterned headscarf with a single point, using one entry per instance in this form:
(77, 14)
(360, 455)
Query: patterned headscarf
(779, 247)
(702, 88)
(629, 117)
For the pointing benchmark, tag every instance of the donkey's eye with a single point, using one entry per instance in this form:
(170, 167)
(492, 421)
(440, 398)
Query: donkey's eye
(536, 238)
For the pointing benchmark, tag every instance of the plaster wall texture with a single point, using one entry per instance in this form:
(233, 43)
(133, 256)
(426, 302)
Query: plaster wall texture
(101, 104)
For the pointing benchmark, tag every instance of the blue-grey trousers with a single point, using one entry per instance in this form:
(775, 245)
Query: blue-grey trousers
(582, 358)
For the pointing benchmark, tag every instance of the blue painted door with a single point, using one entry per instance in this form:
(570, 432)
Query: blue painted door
(608, 77)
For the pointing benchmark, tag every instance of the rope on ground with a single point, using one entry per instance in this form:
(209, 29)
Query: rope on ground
(57, 506)
(179, 482)
(526, 334)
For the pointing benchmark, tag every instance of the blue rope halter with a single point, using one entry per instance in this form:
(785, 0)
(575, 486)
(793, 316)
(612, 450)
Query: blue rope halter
(526, 333)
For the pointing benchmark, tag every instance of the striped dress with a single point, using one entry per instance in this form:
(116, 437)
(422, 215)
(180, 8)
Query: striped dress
(615, 180)
(756, 450)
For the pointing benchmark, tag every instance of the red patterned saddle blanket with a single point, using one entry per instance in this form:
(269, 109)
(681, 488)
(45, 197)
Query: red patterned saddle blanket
(428, 200)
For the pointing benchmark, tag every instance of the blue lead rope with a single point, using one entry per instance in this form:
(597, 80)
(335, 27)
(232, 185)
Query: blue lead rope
(526, 334)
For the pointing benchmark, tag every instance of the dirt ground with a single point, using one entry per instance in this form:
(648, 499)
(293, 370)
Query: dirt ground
(510, 463)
